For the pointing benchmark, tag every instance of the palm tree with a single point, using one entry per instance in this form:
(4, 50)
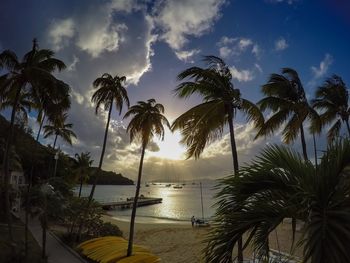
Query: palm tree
(82, 164)
(109, 90)
(51, 101)
(205, 122)
(333, 98)
(285, 97)
(147, 121)
(59, 127)
(24, 105)
(279, 184)
(28, 75)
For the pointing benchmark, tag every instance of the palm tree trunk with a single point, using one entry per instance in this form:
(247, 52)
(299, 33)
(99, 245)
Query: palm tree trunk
(134, 206)
(81, 186)
(40, 127)
(303, 143)
(235, 168)
(43, 254)
(233, 145)
(97, 172)
(315, 150)
(54, 144)
(348, 126)
(30, 179)
(102, 154)
(6, 172)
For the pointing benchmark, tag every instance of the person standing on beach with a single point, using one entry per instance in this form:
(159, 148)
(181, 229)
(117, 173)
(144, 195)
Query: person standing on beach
(193, 219)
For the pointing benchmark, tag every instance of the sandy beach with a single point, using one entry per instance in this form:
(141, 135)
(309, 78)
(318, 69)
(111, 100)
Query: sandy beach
(174, 243)
(180, 243)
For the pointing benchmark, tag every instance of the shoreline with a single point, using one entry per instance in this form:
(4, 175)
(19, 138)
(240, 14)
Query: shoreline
(172, 242)
(182, 243)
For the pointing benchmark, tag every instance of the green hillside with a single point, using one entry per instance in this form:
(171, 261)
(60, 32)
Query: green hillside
(32, 153)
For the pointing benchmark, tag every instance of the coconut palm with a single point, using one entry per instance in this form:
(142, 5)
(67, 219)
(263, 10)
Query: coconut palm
(110, 90)
(285, 97)
(205, 122)
(30, 74)
(279, 184)
(333, 99)
(24, 105)
(147, 121)
(59, 128)
(82, 164)
(51, 101)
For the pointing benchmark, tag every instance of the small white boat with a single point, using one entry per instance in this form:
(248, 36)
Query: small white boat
(177, 186)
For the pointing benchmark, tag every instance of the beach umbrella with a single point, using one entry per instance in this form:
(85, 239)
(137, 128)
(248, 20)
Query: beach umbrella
(112, 249)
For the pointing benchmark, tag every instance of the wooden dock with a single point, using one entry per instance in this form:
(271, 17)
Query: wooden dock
(143, 201)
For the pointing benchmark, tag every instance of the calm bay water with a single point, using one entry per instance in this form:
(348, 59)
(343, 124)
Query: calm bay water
(178, 205)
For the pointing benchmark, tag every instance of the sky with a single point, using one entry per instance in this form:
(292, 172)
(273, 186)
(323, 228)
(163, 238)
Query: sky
(150, 42)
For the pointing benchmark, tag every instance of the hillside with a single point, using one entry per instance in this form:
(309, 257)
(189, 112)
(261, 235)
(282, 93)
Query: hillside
(32, 153)
(108, 177)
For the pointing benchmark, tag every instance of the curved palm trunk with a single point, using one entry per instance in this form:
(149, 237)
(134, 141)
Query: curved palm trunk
(6, 172)
(102, 154)
(97, 172)
(235, 168)
(81, 186)
(40, 127)
(348, 126)
(134, 206)
(54, 144)
(303, 143)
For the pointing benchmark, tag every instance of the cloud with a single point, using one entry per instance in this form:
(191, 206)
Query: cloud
(281, 44)
(322, 69)
(179, 19)
(98, 35)
(258, 67)
(72, 65)
(236, 46)
(256, 51)
(187, 56)
(60, 32)
(242, 75)
(289, 2)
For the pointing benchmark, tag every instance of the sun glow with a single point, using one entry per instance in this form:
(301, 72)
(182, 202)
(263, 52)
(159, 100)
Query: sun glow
(170, 148)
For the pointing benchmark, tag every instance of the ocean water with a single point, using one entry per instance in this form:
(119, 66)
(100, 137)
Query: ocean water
(178, 205)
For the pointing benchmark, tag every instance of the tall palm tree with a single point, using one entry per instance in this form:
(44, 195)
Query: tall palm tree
(285, 97)
(333, 98)
(26, 75)
(279, 184)
(24, 105)
(109, 90)
(82, 164)
(147, 121)
(51, 101)
(205, 122)
(59, 128)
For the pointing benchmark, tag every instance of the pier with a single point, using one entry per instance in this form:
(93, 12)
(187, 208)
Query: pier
(143, 201)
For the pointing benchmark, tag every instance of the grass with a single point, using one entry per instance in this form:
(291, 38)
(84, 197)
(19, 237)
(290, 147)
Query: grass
(7, 255)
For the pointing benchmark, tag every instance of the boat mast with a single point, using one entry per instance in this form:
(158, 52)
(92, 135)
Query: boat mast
(200, 184)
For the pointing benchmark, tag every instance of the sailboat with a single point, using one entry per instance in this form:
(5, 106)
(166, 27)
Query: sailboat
(202, 222)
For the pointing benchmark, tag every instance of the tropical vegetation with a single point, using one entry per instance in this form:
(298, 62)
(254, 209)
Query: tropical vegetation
(147, 121)
(205, 122)
(278, 184)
